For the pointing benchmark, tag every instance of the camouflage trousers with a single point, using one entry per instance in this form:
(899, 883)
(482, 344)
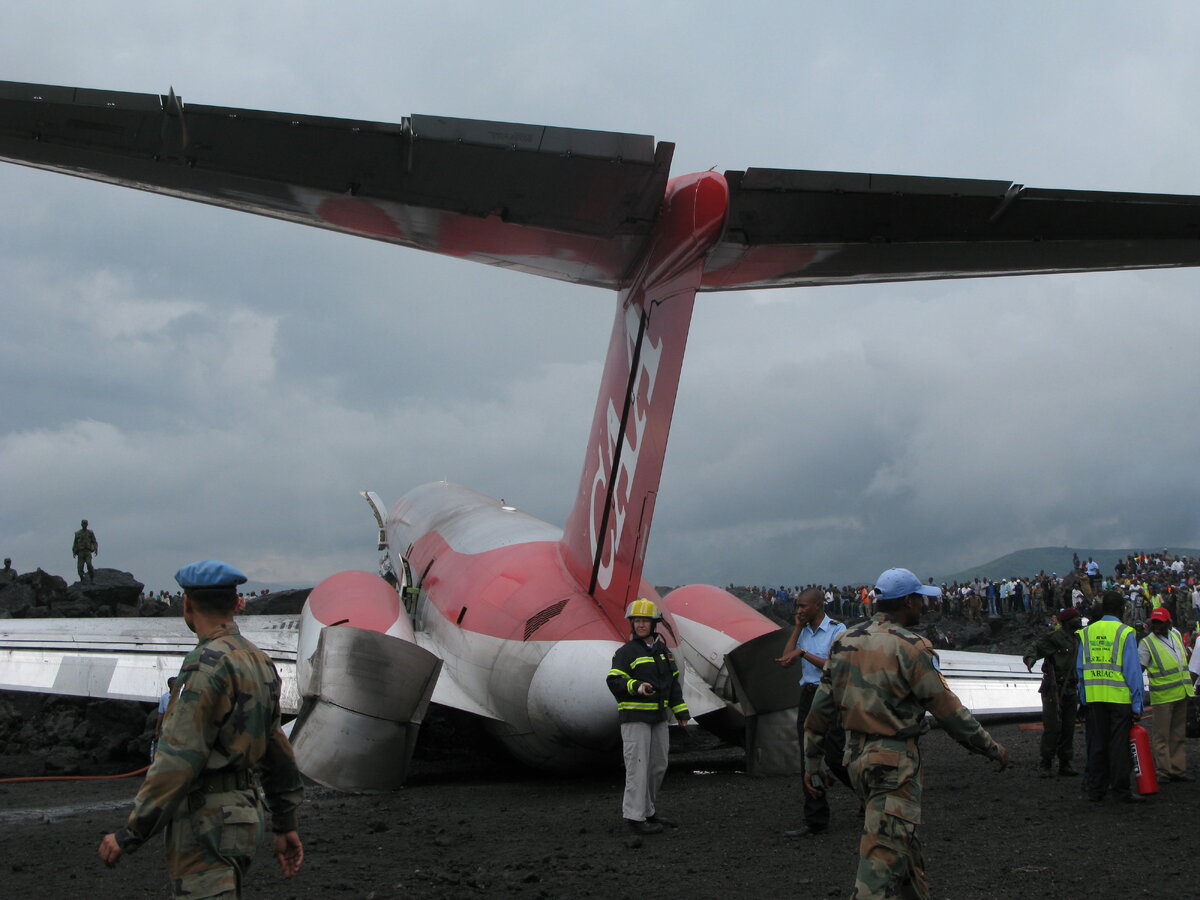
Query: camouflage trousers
(886, 775)
(211, 841)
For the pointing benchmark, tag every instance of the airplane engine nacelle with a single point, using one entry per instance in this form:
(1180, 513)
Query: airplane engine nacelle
(711, 624)
(365, 685)
(357, 599)
(733, 648)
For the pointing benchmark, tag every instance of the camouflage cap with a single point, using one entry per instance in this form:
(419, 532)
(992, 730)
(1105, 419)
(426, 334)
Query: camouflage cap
(209, 573)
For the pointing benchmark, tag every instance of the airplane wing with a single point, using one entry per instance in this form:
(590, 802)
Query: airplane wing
(560, 202)
(795, 229)
(447, 691)
(125, 659)
(993, 684)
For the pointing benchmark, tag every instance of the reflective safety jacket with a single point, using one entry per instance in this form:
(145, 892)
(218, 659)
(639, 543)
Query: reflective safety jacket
(1168, 671)
(637, 662)
(1103, 677)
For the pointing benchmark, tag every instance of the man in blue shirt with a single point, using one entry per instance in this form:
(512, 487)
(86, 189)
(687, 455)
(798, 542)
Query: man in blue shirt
(809, 643)
(1110, 686)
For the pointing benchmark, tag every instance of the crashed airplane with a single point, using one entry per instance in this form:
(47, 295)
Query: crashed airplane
(479, 606)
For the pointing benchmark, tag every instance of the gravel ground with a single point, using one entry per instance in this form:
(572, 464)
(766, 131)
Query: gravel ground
(469, 827)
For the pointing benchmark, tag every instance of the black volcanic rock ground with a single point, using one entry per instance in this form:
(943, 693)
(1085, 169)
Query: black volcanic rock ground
(471, 824)
(467, 828)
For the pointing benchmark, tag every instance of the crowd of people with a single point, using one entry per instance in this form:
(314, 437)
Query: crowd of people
(1146, 580)
(865, 691)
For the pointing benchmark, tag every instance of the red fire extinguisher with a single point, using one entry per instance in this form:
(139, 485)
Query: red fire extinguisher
(1143, 760)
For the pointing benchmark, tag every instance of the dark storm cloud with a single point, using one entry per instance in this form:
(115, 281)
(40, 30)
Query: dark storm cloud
(202, 382)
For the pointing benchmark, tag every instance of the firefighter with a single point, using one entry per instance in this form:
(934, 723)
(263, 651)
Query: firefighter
(645, 681)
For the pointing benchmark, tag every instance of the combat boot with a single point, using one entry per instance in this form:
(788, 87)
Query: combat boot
(639, 827)
(1044, 770)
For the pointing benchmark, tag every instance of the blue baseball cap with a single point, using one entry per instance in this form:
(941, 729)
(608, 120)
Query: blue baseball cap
(895, 583)
(209, 573)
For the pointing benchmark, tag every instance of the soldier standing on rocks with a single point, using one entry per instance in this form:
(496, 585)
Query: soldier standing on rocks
(83, 549)
(222, 725)
(881, 678)
(8, 574)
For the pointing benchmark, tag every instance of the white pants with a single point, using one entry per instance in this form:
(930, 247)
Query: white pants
(645, 765)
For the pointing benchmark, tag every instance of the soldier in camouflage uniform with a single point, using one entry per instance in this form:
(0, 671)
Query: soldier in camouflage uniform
(223, 722)
(881, 679)
(1059, 690)
(83, 548)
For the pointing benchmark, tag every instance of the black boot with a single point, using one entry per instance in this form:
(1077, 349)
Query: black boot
(639, 827)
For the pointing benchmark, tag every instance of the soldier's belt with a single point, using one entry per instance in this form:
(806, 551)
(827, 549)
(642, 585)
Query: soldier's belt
(892, 741)
(219, 782)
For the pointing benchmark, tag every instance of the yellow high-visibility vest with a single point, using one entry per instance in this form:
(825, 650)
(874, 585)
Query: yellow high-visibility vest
(1103, 678)
(1169, 677)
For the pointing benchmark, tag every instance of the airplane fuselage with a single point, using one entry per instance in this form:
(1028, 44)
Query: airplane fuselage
(518, 635)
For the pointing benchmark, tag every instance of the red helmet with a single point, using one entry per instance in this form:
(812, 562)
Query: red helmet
(1162, 614)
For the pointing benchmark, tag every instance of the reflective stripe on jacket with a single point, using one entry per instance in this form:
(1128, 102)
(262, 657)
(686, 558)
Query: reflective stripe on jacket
(636, 662)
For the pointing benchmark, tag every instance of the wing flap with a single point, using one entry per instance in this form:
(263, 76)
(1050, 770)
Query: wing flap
(565, 203)
(797, 228)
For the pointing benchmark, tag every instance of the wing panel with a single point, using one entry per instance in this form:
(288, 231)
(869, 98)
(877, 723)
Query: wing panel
(124, 659)
(795, 228)
(565, 203)
(447, 691)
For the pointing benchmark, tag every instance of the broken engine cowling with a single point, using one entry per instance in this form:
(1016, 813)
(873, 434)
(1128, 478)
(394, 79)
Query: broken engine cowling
(365, 685)
(735, 649)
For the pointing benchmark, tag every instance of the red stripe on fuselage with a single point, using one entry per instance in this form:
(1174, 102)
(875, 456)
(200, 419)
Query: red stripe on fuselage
(502, 589)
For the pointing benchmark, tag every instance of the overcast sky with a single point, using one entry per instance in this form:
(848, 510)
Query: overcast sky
(199, 382)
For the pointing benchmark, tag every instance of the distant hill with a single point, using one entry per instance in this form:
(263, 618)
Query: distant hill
(1026, 563)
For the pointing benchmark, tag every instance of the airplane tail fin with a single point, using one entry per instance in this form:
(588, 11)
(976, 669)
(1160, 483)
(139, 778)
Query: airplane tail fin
(604, 540)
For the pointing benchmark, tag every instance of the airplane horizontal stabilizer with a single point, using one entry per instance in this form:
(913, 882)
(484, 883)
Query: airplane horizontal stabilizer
(798, 228)
(560, 202)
